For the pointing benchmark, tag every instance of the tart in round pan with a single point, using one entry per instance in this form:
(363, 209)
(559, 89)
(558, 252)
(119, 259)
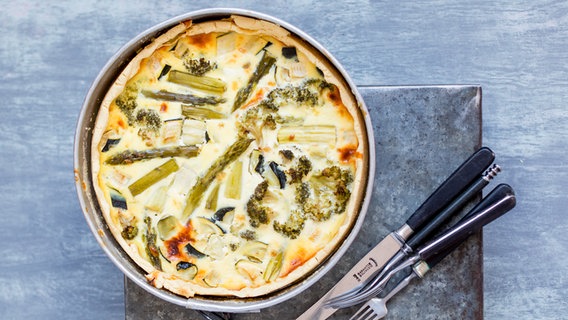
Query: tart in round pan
(228, 158)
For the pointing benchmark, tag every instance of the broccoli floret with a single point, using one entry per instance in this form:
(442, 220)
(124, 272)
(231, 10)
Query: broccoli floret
(301, 170)
(254, 120)
(314, 203)
(305, 94)
(198, 67)
(342, 195)
(292, 227)
(264, 115)
(126, 102)
(260, 191)
(296, 94)
(287, 154)
(324, 194)
(149, 122)
(129, 232)
(149, 118)
(336, 173)
(320, 84)
(248, 235)
(257, 212)
(343, 178)
(302, 192)
(269, 122)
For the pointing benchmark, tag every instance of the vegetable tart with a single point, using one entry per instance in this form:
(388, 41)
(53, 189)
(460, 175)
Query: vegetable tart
(228, 158)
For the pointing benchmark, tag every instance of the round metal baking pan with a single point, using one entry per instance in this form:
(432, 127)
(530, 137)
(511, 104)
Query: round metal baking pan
(90, 207)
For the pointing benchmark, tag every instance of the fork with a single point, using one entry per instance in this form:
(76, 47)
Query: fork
(375, 283)
(498, 202)
(376, 308)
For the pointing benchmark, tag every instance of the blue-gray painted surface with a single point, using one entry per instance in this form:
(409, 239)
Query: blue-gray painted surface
(51, 51)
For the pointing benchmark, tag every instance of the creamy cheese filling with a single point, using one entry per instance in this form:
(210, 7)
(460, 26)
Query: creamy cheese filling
(219, 242)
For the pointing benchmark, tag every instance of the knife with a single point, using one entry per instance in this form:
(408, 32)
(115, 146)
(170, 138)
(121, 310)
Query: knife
(495, 204)
(498, 202)
(375, 259)
(418, 238)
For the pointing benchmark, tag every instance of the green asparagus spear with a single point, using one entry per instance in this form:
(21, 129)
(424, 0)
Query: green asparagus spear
(200, 113)
(181, 97)
(266, 62)
(153, 176)
(233, 186)
(151, 248)
(211, 202)
(130, 156)
(230, 155)
(203, 83)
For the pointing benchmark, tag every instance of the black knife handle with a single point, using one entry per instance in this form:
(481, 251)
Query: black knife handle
(499, 192)
(421, 235)
(497, 203)
(452, 187)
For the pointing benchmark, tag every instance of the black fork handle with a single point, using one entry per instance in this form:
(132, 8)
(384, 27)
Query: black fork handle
(494, 205)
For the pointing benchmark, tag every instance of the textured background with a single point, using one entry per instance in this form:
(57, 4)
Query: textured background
(50, 52)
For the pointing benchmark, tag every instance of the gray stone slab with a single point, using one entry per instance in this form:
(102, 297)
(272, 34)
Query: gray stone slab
(422, 134)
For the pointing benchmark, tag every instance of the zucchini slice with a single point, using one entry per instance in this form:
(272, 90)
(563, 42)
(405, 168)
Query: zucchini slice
(224, 214)
(187, 269)
(255, 250)
(203, 227)
(194, 252)
(249, 269)
(212, 279)
(168, 227)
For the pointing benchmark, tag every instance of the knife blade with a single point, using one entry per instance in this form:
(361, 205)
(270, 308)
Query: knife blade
(375, 259)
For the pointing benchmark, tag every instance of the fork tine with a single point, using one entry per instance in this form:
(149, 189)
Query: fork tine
(366, 312)
(361, 313)
(370, 316)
